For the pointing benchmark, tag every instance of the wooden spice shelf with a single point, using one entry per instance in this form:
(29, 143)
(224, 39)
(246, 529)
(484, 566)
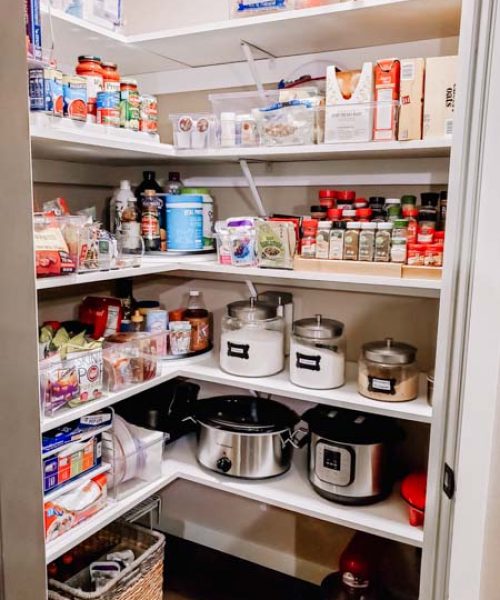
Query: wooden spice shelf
(368, 269)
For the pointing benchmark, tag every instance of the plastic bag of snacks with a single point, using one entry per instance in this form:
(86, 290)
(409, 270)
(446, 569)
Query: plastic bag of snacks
(286, 124)
(276, 244)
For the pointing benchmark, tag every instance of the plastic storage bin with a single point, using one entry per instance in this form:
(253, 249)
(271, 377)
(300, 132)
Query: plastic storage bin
(355, 122)
(242, 102)
(131, 358)
(56, 242)
(135, 456)
(72, 381)
(286, 124)
(142, 579)
(196, 130)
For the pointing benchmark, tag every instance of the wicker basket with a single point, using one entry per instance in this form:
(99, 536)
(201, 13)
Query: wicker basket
(142, 580)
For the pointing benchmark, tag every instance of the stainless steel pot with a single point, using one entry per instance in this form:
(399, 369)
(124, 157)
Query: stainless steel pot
(247, 437)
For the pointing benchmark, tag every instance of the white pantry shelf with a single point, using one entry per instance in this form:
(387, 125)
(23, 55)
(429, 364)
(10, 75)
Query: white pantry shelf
(342, 25)
(291, 491)
(52, 495)
(54, 138)
(209, 268)
(208, 370)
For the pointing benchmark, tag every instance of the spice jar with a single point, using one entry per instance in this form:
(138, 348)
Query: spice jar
(383, 242)
(252, 339)
(388, 371)
(367, 241)
(351, 241)
(318, 212)
(323, 239)
(348, 214)
(412, 216)
(328, 198)
(337, 235)
(364, 214)
(317, 353)
(334, 214)
(346, 197)
(376, 201)
(408, 202)
(309, 231)
(393, 208)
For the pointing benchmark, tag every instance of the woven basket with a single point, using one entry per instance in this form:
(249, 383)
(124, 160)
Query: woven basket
(142, 580)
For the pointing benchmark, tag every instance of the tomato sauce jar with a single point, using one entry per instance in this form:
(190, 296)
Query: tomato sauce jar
(90, 68)
(111, 77)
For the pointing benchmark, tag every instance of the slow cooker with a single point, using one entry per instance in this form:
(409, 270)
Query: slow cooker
(349, 454)
(245, 436)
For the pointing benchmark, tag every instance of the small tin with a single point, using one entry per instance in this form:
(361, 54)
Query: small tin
(36, 88)
(108, 108)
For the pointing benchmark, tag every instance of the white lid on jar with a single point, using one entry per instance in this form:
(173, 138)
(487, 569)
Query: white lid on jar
(393, 201)
(325, 225)
(353, 225)
(385, 225)
(368, 225)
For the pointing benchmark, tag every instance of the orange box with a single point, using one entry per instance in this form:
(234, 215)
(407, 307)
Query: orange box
(386, 77)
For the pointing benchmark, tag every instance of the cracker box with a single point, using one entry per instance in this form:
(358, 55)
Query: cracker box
(440, 93)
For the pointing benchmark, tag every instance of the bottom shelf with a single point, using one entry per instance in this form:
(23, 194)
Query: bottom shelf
(291, 491)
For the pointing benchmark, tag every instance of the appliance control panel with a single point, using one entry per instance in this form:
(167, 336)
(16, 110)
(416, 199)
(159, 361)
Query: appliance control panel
(334, 464)
(224, 464)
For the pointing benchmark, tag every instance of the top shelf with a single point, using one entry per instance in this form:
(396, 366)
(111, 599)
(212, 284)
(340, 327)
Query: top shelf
(344, 25)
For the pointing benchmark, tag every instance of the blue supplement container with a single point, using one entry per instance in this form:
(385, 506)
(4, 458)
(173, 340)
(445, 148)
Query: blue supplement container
(184, 223)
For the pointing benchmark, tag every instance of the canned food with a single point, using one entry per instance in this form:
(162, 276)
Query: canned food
(75, 97)
(36, 87)
(149, 114)
(53, 87)
(108, 108)
(130, 101)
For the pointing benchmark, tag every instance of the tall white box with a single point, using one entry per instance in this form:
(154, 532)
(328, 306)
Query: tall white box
(440, 93)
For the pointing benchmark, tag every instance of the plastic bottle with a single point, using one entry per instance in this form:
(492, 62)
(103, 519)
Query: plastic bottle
(118, 204)
(150, 221)
(174, 184)
(199, 317)
(137, 322)
(148, 183)
(124, 292)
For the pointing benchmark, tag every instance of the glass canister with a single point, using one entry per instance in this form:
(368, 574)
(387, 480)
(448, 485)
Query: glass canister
(283, 301)
(317, 353)
(252, 339)
(388, 371)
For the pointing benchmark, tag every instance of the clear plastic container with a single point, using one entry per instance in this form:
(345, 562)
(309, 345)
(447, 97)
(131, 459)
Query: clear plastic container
(195, 131)
(353, 122)
(286, 124)
(72, 381)
(56, 242)
(252, 8)
(131, 358)
(97, 249)
(242, 103)
(135, 455)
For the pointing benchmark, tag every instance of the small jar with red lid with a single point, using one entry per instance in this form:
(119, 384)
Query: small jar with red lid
(111, 77)
(363, 214)
(346, 197)
(318, 212)
(348, 215)
(361, 203)
(411, 214)
(433, 255)
(334, 214)
(309, 233)
(328, 198)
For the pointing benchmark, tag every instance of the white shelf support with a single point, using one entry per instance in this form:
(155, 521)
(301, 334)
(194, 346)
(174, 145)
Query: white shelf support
(251, 288)
(247, 51)
(261, 211)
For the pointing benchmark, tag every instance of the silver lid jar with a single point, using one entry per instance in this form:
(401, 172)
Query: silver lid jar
(252, 310)
(389, 352)
(318, 328)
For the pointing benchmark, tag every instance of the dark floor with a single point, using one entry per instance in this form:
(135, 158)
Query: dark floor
(193, 572)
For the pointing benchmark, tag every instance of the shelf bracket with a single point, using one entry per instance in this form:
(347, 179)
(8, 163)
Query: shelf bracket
(251, 288)
(247, 51)
(261, 211)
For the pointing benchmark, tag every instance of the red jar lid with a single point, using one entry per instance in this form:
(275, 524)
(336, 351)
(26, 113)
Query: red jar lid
(364, 213)
(410, 212)
(309, 223)
(327, 194)
(334, 214)
(417, 247)
(414, 489)
(439, 236)
(346, 195)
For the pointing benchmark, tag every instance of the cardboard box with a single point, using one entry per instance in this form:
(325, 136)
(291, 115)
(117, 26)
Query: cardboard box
(386, 76)
(411, 95)
(349, 110)
(440, 93)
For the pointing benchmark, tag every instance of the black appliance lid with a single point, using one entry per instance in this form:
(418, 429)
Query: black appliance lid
(350, 426)
(245, 414)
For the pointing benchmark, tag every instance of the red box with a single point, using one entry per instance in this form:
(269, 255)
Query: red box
(387, 75)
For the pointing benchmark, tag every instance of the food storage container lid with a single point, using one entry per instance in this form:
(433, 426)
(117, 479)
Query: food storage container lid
(349, 426)
(339, 225)
(408, 199)
(393, 201)
(89, 57)
(385, 225)
(318, 328)
(328, 194)
(400, 223)
(276, 298)
(245, 414)
(376, 200)
(369, 225)
(390, 352)
(429, 199)
(325, 225)
(251, 310)
(353, 225)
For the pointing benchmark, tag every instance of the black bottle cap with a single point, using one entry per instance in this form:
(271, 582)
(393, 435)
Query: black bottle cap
(149, 174)
(429, 199)
(174, 176)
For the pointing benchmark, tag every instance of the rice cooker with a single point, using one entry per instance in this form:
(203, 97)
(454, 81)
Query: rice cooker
(349, 454)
